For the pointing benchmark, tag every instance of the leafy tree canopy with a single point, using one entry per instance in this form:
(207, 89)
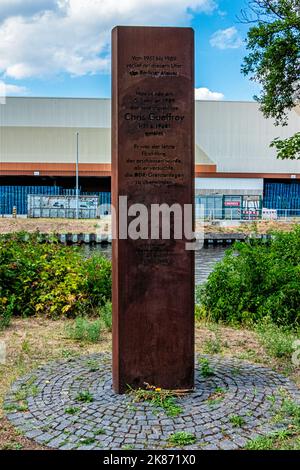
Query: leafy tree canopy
(273, 61)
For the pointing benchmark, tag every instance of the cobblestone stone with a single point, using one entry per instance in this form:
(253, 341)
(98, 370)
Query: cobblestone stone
(247, 388)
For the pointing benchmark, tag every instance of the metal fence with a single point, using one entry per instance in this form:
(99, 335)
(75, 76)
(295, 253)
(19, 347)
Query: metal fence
(284, 197)
(229, 207)
(238, 215)
(277, 198)
(66, 207)
(286, 214)
(17, 197)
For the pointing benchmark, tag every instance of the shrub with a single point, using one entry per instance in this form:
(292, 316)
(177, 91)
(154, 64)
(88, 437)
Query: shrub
(255, 280)
(213, 345)
(84, 330)
(277, 340)
(50, 279)
(6, 311)
(106, 315)
(97, 270)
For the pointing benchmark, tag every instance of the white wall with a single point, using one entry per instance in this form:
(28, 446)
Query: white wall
(55, 112)
(229, 183)
(234, 135)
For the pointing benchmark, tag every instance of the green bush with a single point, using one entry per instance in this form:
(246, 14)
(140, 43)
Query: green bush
(84, 330)
(49, 279)
(277, 340)
(106, 315)
(97, 270)
(6, 311)
(255, 280)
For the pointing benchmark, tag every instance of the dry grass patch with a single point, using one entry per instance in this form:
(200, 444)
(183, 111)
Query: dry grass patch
(259, 226)
(9, 225)
(11, 439)
(34, 341)
(241, 344)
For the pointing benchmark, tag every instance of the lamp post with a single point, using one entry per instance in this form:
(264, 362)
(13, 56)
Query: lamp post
(77, 175)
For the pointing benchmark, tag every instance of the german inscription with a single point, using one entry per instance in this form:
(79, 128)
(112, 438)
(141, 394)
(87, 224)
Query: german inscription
(153, 166)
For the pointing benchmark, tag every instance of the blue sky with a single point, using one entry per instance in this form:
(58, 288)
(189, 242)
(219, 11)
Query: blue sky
(62, 47)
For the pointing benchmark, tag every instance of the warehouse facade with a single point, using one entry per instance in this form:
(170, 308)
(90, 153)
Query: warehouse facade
(235, 167)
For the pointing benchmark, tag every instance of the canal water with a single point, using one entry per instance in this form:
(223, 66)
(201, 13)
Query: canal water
(205, 259)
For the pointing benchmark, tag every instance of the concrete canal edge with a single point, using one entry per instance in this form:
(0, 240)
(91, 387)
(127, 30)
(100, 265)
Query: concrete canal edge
(210, 239)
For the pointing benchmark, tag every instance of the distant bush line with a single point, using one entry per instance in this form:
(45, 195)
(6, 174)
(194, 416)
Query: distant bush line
(255, 281)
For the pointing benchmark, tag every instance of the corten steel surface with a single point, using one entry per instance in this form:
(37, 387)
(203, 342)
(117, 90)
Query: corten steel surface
(153, 162)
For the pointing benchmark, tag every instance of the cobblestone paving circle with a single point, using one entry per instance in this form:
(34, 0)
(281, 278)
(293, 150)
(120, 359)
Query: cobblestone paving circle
(45, 406)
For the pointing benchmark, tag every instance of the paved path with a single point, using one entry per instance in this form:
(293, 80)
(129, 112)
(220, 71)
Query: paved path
(228, 408)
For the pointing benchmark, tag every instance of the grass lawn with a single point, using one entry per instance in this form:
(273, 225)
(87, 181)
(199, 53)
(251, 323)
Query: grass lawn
(31, 342)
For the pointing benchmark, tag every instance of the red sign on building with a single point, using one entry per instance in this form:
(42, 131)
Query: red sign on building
(232, 203)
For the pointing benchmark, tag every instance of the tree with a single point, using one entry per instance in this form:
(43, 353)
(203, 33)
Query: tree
(273, 61)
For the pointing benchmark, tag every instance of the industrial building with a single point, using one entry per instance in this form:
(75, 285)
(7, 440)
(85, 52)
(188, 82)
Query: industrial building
(236, 171)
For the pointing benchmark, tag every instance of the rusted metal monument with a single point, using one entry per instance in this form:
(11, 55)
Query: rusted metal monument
(152, 164)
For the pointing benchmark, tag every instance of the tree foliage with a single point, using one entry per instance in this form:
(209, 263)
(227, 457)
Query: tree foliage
(273, 61)
(287, 148)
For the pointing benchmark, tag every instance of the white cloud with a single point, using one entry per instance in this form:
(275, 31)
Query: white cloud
(226, 39)
(206, 94)
(15, 89)
(25, 8)
(7, 89)
(73, 36)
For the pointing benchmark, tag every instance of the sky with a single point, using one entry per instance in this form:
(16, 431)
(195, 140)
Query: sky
(61, 48)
